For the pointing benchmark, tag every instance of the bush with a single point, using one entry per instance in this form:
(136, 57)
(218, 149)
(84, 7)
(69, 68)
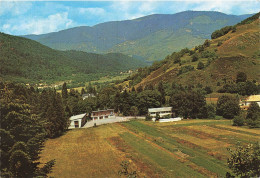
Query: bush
(185, 69)
(219, 43)
(228, 107)
(194, 57)
(200, 66)
(245, 160)
(253, 115)
(148, 117)
(238, 121)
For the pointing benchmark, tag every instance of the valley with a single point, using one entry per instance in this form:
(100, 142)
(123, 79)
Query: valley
(178, 95)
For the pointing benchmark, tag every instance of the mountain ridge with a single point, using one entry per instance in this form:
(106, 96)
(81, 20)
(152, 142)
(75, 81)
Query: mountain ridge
(105, 37)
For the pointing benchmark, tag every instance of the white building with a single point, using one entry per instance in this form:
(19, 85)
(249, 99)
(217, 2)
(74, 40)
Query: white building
(103, 114)
(246, 103)
(252, 98)
(164, 111)
(78, 121)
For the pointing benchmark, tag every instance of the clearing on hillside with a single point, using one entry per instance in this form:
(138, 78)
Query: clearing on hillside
(191, 148)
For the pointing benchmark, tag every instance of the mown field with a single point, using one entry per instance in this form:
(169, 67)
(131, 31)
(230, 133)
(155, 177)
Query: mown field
(191, 148)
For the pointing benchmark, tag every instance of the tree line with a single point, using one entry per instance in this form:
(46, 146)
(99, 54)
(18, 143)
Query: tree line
(28, 118)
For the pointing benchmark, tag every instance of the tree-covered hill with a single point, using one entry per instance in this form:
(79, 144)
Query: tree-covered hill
(215, 63)
(27, 60)
(150, 37)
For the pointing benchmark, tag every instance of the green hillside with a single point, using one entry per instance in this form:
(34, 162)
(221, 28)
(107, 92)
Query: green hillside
(220, 60)
(144, 37)
(25, 60)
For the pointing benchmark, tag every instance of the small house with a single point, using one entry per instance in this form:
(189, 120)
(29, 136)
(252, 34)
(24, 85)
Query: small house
(103, 114)
(78, 121)
(246, 103)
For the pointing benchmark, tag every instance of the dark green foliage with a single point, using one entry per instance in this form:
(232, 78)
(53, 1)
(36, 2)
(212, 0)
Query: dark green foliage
(253, 115)
(221, 32)
(29, 61)
(26, 120)
(148, 117)
(157, 117)
(148, 99)
(228, 107)
(241, 77)
(188, 104)
(206, 43)
(245, 160)
(208, 89)
(242, 88)
(185, 69)
(250, 19)
(161, 90)
(64, 90)
(134, 111)
(208, 54)
(210, 111)
(21, 164)
(54, 113)
(200, 48)
(219, 43)
(239, 121)
(200, 65)
(194, 57)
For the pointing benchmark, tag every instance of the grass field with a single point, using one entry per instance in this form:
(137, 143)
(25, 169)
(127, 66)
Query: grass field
(191, 148)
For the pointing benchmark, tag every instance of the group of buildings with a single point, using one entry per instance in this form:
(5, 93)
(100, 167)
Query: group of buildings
(80, 120)
(164, 112)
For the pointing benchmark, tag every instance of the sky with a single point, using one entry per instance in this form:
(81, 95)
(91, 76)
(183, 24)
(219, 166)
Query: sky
(38, 17)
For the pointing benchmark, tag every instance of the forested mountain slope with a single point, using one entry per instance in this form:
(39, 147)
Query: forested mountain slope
(150, 37)
(27, 60)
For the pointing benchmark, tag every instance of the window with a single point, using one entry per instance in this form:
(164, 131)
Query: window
(76, 123)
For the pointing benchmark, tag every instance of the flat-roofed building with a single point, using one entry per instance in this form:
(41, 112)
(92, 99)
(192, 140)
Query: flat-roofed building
(103, 114)
(246, 103)
(78, 121)
(163, 111)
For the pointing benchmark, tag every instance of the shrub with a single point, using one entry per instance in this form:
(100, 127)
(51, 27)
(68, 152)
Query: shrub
(238, 121)
(200, 66)
(253, 115)
(244, 161)
(219, 43)
(148, 117)
(185, 69)
(228, 107)
(194, 57)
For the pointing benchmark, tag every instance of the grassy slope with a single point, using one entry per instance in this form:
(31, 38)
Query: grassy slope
(239, 52)
(190, 148)
(159, 44)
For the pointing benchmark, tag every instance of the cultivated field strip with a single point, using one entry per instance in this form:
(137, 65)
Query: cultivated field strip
(189, 148)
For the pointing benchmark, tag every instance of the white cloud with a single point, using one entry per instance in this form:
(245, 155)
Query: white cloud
(92, 11)
(52, 23)
(6, 26)
(14, 8)
(147, 7)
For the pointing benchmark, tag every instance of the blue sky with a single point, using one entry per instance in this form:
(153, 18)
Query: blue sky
(31, 17)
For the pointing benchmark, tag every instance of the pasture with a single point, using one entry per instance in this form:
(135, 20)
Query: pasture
(190, 148)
